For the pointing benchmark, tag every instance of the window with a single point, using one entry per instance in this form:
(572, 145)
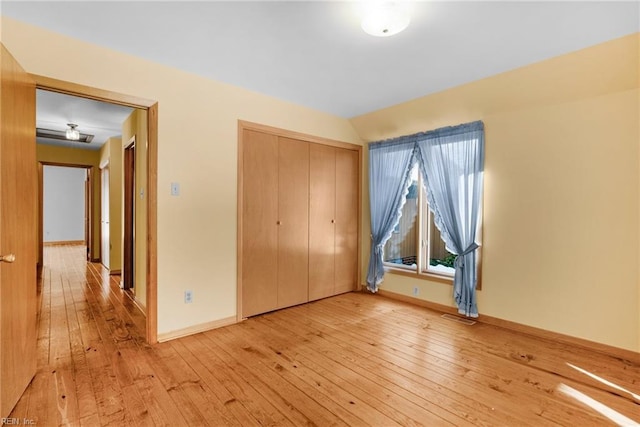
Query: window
(415, 244)
(452, 159)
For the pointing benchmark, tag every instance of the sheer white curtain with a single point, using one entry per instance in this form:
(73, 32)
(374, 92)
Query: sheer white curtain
(452, 161)
(390, 166)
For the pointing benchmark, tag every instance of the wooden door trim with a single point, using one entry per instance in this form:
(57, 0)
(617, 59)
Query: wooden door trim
(40, 231)
(239, 219)
(69, 88)
(246, 125)
(242, 124)
(152, 224)
(129, 210)
(101, 168)
(90, 212)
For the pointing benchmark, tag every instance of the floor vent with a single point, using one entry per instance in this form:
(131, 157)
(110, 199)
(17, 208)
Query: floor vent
(459, 319)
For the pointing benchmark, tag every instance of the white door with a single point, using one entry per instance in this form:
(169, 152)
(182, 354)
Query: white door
(106, 242)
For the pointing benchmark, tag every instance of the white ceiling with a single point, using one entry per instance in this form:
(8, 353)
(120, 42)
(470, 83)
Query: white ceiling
(103, 120)
(315, 54)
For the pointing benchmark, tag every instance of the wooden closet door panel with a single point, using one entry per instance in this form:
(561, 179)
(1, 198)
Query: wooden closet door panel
(293, 227)
(322, 191)
(346, 237)
(259, 229)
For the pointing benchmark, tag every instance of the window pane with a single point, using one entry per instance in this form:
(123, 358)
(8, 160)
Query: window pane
(437, 258)
(401, 248)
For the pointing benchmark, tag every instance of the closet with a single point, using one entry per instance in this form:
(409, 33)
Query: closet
(298, 218)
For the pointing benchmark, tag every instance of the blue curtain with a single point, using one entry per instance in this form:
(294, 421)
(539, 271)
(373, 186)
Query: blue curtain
(390, 166)
(452, 162)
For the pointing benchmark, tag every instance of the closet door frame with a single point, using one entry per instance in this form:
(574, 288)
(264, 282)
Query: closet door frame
(245, 125)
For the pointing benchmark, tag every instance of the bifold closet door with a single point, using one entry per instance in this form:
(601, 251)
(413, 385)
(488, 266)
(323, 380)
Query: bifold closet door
(346, 226)
(259, 223)
(293, 222)
(322, 211)
(333, 220)
(299, 221)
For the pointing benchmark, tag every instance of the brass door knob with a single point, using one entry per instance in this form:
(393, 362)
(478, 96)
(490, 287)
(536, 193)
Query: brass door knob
(7, 258)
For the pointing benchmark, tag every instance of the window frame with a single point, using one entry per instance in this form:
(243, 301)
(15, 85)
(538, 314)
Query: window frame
(423, 249)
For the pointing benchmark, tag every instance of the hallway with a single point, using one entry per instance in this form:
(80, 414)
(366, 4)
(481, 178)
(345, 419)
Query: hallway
(87, 326)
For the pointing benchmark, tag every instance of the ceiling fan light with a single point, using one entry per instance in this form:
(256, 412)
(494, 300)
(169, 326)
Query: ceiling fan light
(72, 133)
(385, 19)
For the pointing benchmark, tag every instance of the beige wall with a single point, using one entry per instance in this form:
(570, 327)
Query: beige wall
(197, 147)
(77, 156)
(111, 154)
(135, 128)
(105, 151)
(561, 190)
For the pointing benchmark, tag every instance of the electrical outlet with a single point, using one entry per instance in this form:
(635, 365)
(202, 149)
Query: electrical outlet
(416, 291)
(188, 297)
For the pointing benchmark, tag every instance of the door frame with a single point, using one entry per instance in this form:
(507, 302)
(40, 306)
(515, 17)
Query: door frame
(129, 223)
(104, 169)
(69, 88)
(89, 207)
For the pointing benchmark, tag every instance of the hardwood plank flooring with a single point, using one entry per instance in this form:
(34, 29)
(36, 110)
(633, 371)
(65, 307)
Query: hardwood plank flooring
(352, 360)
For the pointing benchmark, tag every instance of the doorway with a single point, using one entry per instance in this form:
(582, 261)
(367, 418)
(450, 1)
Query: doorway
(128, 262)
(151, 109)
(66, 204)
(87, 215)
(105, 241)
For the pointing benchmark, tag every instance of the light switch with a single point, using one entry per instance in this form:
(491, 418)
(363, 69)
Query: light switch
(175, 189)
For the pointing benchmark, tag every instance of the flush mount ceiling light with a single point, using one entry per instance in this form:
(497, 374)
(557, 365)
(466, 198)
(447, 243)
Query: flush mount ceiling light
(72, 133)
(60, 135)
(384, 19)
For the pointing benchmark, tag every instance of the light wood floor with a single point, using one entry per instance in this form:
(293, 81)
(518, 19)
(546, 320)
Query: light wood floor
(356, 359)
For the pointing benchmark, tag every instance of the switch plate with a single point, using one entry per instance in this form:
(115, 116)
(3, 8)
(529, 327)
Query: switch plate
(416, 291)
(188, 297)
(175, 188)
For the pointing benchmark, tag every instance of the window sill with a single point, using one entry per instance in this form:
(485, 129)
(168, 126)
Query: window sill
(432, 277)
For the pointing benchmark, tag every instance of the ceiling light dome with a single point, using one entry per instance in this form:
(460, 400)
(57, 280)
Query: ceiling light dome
(385, 19)
(72, 133)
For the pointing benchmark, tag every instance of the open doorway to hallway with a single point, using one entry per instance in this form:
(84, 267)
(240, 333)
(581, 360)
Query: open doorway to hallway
(147, 126)
(98, 148)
